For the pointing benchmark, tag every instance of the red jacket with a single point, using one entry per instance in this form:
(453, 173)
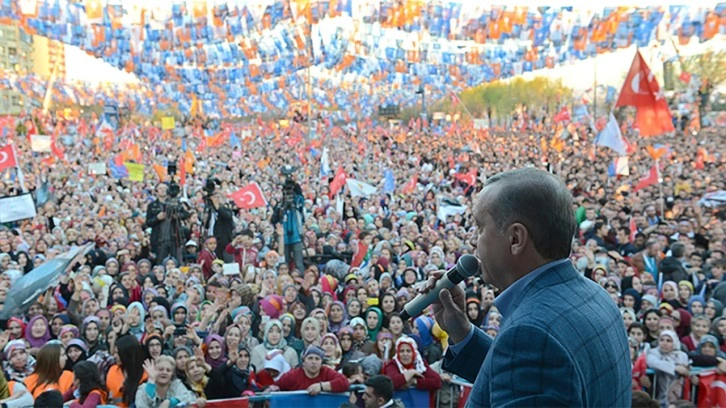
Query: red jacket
(431, 380)
(207, 257)
(296, 380)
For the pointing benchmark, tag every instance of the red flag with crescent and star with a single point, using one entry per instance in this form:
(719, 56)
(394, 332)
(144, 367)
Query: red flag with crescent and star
(249, 196)
(338, 181)
(7, 158)
(642, 91)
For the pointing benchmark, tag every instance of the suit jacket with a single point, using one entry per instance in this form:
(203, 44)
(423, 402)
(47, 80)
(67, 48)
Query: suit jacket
(562, 344)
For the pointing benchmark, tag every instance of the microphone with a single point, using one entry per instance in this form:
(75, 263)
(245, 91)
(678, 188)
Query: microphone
(467, 267)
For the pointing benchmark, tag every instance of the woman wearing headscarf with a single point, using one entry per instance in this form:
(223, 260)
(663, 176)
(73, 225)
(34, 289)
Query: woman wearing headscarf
(37, 333)
(685, 291)
(670, 294)
(310, 332)
(430, 349)
(631, 299)
(707, 354)
(274, 366)
(361, 341)
(713, 309)
(273, 340)
(76, 351)
(214, 351)
(288, 331)
(409, 370)
(474, 311)
(337, 316)
(670, 365)
(374, 322)
(204, 381)
(696, 305)
(18, 363)
(683, 322)
(135, 315)
(333, 353)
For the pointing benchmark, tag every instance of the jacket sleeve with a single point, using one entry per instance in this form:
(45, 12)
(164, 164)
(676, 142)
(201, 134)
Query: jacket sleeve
(469, 360)
(391, 371)
(338, 382)
(531, 368)
(287, 381)
(25, 398)
(431, 380)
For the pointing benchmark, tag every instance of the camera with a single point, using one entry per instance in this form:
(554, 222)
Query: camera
(289, 188)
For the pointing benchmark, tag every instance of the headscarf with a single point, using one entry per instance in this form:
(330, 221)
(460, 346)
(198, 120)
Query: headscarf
(711, 339)
(332, 326)
(69, 328)
(143, 295)
(222, 358)
(137, 330)
(335, 360)
(417, 363)
(196, 387)
(372, 333)
(279, 346)
(718, 305)
(20, 322)
(39, 341)
(634, 293)
(424, 324)
(291, 318)
(684, 325)
(272, 305)
(674, 338)
(276, 361)
(695, 298)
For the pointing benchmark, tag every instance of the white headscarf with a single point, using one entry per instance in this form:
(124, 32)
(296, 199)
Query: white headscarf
(418, 363)
(276, 361)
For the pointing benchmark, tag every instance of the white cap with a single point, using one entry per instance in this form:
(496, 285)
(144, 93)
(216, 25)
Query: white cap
(191, 242)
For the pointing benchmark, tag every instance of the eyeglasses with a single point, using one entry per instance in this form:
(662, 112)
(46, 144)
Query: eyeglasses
(611, 285)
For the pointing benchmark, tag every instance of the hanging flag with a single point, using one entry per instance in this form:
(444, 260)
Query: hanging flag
(189, 161)
(338, 181)
(611, 137)
(410, 185)
(324, 164)
(389, 183)
(619, 167)
(359, 189)
(160, 172)
(642, 91)
(249, 196)
(650, 179)
(448, 207)
(7, 158)
(633, 229)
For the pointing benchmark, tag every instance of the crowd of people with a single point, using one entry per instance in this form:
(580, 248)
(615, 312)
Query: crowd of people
(153, 316)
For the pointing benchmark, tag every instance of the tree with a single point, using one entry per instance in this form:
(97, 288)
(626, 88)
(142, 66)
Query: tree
(710, 69)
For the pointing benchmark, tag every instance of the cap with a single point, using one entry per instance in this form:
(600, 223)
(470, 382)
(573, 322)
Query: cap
(191, 242)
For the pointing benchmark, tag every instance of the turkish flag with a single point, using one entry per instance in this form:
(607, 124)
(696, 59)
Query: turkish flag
(338, 181)
(711, 390)
(642, 91)
(562, 116)
(7, 158)
(648, 180)
(410, 186)
(249, 196)
(468, 178)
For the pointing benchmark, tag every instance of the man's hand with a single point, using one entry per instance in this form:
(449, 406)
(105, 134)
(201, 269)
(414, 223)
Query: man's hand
(315, 389)
(161, 216)
(449, 309)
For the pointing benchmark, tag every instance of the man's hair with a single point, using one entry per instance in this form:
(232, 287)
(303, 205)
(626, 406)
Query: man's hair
(678, 249)
(246, 233)
(49, 399)
(541, 202)
(382, 386)
(641, 399)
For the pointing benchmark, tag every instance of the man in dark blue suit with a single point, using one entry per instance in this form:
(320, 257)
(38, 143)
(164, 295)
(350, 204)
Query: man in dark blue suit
(562, 341)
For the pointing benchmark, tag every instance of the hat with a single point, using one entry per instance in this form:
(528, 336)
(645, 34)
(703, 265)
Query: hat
(313, 350)
(272, 305)
(191, 242)
(218, 262)
(650, 298)
(14, 345)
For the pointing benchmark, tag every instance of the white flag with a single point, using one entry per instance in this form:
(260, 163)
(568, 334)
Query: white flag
(449, 207)
(612, 138)
(359, 188)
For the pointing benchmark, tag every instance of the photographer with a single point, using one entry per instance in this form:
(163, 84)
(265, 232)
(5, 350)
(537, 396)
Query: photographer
(219, 222)
(290, 214)
(164, 216)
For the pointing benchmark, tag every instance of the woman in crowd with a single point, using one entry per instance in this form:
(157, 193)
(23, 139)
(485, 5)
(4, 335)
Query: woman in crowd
(409, 370)
(124, 377)
(273, 340)
(88, 385)
(162, 388)
(669, 363)
(49, 373)
(333, 353)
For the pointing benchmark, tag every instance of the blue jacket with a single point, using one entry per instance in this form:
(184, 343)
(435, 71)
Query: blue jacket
(563, 344)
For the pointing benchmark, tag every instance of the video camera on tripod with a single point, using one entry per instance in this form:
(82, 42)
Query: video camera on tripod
(172, 206)
(290, 188)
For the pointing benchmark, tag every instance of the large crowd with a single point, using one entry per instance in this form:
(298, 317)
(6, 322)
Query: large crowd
(152, 315)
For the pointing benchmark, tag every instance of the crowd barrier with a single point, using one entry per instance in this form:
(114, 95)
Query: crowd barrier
(284, 399)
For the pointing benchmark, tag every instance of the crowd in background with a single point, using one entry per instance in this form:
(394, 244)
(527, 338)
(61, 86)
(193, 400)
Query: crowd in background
(128, 326)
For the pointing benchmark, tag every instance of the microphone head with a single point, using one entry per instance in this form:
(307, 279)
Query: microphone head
(467, 266)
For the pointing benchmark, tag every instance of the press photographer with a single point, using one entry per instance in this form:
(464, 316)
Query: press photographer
(165, 217)
(218, 219)
(289, 213)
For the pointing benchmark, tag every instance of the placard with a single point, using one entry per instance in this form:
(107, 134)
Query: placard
(231, 269)
(40, 143)
(14, 208)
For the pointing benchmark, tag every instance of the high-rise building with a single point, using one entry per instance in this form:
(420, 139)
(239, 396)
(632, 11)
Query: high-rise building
(16, 56)
(46, 54)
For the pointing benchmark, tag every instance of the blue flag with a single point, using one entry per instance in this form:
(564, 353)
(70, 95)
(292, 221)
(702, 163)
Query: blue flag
(389, 184)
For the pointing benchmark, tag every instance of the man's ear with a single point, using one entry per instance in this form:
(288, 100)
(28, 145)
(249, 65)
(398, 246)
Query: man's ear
(518, 236)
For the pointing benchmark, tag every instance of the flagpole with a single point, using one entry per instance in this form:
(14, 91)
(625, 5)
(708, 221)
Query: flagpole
(21, 177)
